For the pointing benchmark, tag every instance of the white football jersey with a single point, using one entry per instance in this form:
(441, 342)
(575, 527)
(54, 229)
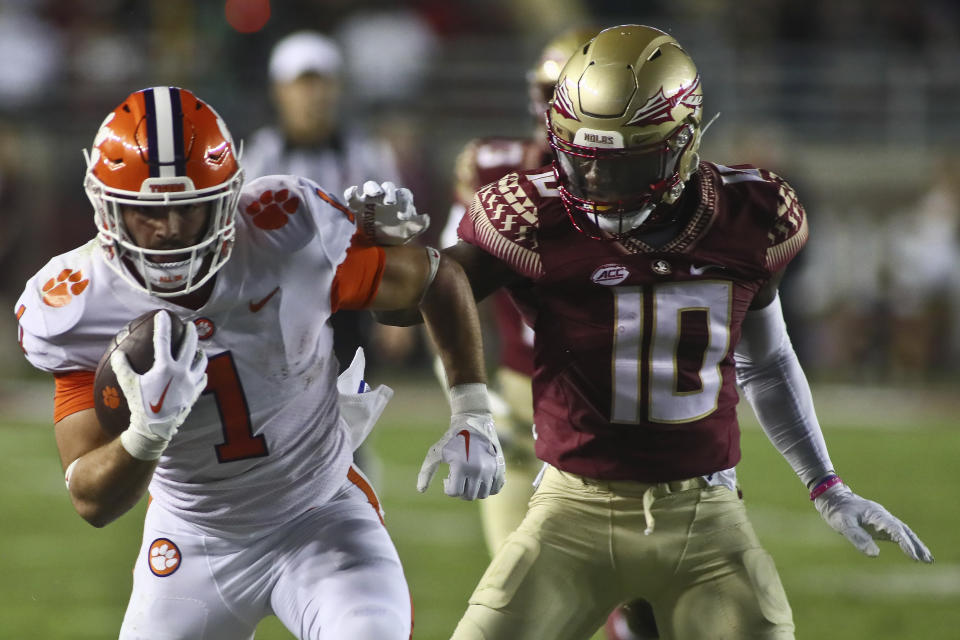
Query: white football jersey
(264, 442)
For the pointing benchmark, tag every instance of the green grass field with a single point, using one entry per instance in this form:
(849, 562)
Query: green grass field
(63, 579)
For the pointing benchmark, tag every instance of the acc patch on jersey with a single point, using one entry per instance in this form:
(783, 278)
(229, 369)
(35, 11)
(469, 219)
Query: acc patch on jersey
(610, 274)
(163, 557)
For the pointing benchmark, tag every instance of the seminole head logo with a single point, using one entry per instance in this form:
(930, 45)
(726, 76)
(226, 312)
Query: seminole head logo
(659, 108)
(562, 103)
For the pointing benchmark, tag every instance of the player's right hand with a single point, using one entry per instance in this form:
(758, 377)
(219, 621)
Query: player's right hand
(471, 448)
(161, 398)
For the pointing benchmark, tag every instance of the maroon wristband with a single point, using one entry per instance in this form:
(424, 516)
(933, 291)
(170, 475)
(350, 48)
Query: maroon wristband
(824, 484)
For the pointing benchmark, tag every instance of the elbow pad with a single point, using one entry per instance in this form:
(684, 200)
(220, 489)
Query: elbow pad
(774, 384)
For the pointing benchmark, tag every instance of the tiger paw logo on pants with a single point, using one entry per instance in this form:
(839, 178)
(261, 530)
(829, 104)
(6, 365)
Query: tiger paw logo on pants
(163, 557)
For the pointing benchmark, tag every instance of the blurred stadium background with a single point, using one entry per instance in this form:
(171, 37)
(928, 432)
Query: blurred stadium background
(854, 102)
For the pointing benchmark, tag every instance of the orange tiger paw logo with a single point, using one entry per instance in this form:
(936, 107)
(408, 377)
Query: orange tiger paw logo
(59, 291)
(272, 210)
(111, 397)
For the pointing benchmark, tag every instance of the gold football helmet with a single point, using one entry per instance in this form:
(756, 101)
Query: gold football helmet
(542, 77)
(625, 126)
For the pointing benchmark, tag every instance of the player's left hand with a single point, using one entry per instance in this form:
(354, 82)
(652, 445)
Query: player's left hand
(471, 448)
(862, 521)
(385, 213)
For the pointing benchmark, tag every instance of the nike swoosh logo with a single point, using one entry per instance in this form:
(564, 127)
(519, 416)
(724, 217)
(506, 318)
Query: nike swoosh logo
(466, 440)
(256, 306)
(699, 271)
(156, 407)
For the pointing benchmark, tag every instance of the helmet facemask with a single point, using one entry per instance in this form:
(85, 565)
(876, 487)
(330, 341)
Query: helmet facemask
(619, 189)
(163, 147)
(151, 269)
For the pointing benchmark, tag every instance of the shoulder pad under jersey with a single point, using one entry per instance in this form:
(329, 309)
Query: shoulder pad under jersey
(505, 215)
(54, 302)
(782, 213)
(285, 213)
(54, 299)
(788, 232)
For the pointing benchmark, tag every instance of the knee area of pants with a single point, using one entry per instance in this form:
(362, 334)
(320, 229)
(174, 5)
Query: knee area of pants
(372, 623)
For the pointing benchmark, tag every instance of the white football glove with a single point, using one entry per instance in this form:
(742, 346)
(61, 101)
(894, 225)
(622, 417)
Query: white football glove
(161, 398)
(862, 521)
(469, 446)
(385, 214)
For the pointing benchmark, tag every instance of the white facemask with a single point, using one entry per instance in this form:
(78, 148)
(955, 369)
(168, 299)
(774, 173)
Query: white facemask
(626, 222)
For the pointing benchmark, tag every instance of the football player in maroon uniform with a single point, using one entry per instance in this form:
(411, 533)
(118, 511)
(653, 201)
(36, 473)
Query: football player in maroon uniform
(650, 280)
(482, 161)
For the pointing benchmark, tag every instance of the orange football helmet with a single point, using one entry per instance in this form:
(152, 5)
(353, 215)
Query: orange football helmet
(164, 146)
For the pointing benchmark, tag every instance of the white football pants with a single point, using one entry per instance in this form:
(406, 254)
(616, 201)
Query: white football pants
(329, 574)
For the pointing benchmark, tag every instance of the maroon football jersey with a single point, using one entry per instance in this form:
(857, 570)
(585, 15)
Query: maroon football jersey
(633, 350)
(481, 162)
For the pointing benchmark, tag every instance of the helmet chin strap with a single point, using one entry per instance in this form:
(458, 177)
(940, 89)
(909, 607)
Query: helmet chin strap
(625, 222)
(167, 276)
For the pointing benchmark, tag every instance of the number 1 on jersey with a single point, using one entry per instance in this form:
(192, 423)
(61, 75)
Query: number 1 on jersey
(223, 382)
(686, 329)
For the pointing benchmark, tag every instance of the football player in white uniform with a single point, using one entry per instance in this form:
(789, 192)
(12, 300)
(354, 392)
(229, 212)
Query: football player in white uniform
(237, 436)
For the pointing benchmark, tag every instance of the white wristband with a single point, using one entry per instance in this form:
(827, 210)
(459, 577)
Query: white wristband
(434, 257)
(469, 398)
(142, 447)
(69, 472)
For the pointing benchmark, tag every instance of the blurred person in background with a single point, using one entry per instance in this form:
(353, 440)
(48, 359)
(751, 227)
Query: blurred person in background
(482, 161)
(921, 271)
(650, 280)
(311, 138)
(242, 433)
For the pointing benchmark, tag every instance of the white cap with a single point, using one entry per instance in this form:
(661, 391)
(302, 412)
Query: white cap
(304, 52)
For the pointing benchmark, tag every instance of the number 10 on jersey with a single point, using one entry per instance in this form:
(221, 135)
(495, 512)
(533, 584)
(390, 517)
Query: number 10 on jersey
(668, 343)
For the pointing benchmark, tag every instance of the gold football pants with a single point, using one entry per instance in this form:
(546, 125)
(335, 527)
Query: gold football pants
(581, 550)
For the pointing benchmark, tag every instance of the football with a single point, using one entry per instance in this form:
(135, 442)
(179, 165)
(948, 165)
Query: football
(135, 339)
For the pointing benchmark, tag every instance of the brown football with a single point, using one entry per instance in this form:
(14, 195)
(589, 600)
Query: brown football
(135, 339)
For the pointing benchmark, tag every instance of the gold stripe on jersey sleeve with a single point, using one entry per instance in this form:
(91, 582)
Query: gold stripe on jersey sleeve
(789, 232)
(504, 218)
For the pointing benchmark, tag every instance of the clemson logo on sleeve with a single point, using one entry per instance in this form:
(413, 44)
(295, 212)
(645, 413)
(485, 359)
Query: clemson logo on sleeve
(60, 290)
(272, 210)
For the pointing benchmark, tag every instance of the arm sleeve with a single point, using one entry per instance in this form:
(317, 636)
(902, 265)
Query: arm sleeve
(358, 277)
(774, 384)
(74, 392)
